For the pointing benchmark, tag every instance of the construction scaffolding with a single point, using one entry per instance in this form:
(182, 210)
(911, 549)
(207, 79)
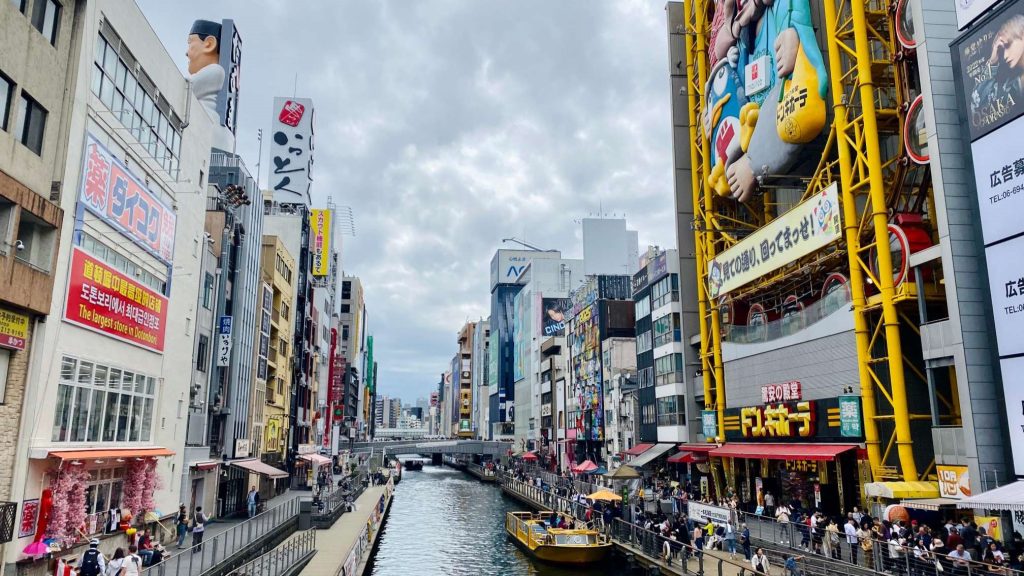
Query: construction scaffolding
(872, 80)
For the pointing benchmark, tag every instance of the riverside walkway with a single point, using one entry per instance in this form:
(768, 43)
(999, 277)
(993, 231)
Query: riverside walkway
(343, 549)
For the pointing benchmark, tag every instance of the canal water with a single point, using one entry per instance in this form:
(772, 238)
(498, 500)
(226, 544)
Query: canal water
(445, 522)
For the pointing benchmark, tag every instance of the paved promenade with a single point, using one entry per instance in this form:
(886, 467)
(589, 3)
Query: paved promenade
(334, 544)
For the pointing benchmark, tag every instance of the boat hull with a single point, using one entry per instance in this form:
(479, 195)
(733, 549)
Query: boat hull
(576, 555)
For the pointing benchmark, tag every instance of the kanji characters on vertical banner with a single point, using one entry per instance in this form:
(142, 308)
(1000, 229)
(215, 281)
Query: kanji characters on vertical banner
(118, 197)
(291, 150)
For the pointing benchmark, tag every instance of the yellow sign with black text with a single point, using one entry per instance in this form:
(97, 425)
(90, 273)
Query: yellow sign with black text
(320, 241)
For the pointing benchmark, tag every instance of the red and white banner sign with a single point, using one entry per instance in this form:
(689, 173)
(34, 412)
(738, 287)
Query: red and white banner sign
(119, 198)
(104, 300)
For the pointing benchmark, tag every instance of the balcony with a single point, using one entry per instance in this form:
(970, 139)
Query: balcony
(271, 395)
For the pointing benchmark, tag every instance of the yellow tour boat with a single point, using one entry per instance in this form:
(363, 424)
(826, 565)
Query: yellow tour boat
(532, 531)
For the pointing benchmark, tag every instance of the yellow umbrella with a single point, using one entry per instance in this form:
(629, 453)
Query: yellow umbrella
(605, 495)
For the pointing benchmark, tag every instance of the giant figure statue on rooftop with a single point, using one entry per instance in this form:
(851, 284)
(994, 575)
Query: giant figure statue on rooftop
(765, 96)
(207, 74)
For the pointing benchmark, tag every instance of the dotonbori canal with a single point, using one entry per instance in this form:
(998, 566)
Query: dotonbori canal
(444, 521)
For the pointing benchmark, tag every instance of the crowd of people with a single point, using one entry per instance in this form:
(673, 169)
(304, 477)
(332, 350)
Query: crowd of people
(902, 547)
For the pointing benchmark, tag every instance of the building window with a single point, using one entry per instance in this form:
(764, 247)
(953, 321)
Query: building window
(346, 290)
(31, 124)
(672, 411)
(666, 330)
(668, 369)
(135, 102)
(46, 19)
(643, 342)
(6, 95)
(346, 308)
(665, 291)
(37, 239)
(344, 333)
(104, 489)
(99, 403)
(647, 414)
(115, 259)
(202, 352)
(642, 307)
(208, 291)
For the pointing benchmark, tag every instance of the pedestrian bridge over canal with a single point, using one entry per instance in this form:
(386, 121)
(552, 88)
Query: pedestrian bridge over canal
(468, 447)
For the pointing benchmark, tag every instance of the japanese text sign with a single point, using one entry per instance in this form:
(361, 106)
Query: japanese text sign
(231, 62)
(104, 300)
(778, 421)
(13, 330)
(224, 341)
(29, 517)
(111, 192)
(849, 417)
(785, 391)
(808, 227)
(999, 181)
(291, 151)
(1006, 283)
(320, 240)
(954, 481)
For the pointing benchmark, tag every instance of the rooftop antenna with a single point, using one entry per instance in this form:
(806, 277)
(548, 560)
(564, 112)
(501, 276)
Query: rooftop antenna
(521, 243)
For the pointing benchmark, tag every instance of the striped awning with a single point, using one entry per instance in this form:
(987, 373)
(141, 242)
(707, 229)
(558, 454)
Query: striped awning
(1009, 497)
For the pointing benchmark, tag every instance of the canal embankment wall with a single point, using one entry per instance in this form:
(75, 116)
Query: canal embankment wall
(345, 548)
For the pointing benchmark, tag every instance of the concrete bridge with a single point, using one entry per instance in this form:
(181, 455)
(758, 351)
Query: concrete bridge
(431, 447)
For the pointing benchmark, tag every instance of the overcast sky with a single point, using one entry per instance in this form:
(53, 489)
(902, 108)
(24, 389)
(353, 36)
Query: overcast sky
(449, 125)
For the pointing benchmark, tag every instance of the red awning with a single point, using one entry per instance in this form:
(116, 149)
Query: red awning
(113, 453)
(687, 457)
(530, 456)
(638, 449)
(781, 451)
(696, 447)
(254, 465)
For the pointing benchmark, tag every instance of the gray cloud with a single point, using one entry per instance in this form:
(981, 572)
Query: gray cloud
(448, 125)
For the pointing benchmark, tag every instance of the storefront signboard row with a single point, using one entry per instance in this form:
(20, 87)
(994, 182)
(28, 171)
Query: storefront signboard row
(805, 421)
(104, 300)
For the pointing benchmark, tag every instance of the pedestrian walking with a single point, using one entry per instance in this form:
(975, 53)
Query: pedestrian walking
(198, 528)
(745, 540)
(116, 565)
(181, 524)
(851, 538)
(782, 517)
(252, 500)
(730, 540)
(769, 505)
(760, 563)
(698, 541)
(790, 564)
(866, 545)
(92, 562)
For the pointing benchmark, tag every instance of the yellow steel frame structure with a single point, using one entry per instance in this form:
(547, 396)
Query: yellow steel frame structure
(866, 95)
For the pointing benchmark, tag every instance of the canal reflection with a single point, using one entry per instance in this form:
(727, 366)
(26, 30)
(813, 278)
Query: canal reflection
(445, 522)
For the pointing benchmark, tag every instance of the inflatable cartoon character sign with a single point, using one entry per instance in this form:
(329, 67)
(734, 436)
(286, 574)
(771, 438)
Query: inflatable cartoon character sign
(766, 91)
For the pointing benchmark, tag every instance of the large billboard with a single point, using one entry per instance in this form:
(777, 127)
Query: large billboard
(291, 150)
(767, 87)
(988, 61)
(805, 229)
(320, 240)
(968, 10)
(103, 300)
(587, 385)
(119, 198)
(231, 62)
(553, 313)
(990, 70)
(521, 335)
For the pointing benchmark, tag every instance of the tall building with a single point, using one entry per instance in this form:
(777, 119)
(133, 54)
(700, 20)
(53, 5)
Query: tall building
(104, 139)
(278, 275)
(352, 350)
(506, 265)
(463, 380)
(480, 365)
(609, 247)
(852, 300)
(601, 312)
(37, 69)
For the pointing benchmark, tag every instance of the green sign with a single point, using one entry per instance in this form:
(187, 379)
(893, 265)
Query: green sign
(709, 421)
(849, 416)
(369, 376)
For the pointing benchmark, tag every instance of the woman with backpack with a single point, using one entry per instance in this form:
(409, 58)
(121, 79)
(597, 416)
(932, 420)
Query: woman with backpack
(198, 528)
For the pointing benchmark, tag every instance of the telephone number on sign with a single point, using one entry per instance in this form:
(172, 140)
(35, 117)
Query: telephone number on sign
(1006, 193)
